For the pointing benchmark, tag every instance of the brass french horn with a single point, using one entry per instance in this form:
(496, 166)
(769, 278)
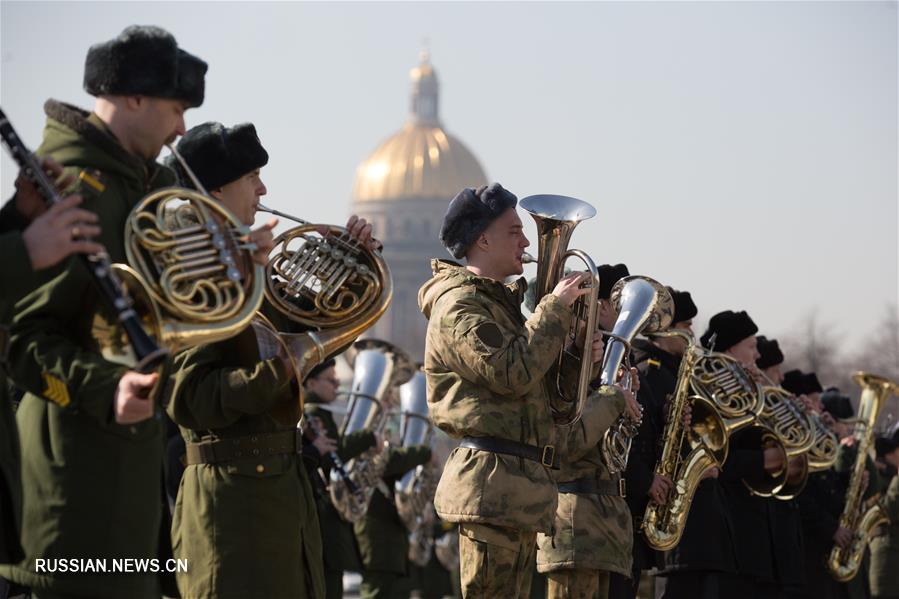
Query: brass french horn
(328, 285)
(190, 274)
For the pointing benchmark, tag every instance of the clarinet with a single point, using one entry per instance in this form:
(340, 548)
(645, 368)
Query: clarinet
(149, 355)
(352, 487)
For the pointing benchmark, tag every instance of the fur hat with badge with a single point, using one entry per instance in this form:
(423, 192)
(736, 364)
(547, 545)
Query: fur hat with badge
(144, 61)
(219, 155)
(726, 329)
(470, 213)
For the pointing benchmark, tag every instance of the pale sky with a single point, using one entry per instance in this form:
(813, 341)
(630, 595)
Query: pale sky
(746, 152)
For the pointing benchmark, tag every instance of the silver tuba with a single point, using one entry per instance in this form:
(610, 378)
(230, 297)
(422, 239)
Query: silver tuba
(556, 218)
(644, 306)
(414, 492)
(378, 367)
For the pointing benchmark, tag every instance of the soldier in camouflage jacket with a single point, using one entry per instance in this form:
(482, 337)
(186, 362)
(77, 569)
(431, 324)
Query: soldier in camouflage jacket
(593, 535)
(485, 366)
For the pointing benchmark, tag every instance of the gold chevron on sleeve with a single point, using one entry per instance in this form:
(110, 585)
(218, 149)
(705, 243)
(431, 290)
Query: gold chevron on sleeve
(56, 390)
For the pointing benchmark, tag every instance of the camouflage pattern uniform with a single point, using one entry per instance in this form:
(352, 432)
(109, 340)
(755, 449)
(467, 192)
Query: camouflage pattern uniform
(593, 532)
(485, 367)
(885, 548)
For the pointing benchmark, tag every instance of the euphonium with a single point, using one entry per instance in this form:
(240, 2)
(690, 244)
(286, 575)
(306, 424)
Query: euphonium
(724, 399)
(414, 492)
(859, 515)
(556, 218)
(643, 306)
(328, 285)
(378, 368)
(190, 272)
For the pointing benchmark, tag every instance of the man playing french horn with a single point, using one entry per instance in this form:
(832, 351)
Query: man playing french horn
(733, 333)
(245, 515)
(485, 366)
(93, 412)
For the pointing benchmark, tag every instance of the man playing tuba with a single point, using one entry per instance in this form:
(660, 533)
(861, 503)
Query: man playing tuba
(591, 536)
(485, 367)
(733, 333)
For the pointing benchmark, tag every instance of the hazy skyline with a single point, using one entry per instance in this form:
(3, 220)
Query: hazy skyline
(746, 152)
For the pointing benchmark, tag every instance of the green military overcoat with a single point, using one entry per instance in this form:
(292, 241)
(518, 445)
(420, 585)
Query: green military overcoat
(91, 488)
(248, 527)
(17, 277)
(340, 552)
(382, 536)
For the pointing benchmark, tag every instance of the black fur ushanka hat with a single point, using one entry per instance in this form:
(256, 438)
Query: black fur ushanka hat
(769, 352)
(219, 155)
(146, 61)
(684, 308)
(470, 213)
(728, 329)
(609, 275)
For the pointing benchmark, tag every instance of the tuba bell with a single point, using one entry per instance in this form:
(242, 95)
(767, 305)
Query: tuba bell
(644, 306)
(556, 217)
(859, 515)
(378, 368)
(414, 492)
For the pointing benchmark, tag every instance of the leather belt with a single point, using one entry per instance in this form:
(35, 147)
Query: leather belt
(217, 451)
(590, 485)
(545, 455)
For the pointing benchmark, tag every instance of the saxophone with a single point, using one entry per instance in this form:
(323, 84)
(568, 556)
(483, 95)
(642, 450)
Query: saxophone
(859, 515)
(723, 400)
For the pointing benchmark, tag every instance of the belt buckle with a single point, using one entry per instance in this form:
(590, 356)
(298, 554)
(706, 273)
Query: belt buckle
(548, 456)
(622, 487)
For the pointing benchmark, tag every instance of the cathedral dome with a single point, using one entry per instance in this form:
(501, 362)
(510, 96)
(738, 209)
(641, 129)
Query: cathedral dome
(421, 160)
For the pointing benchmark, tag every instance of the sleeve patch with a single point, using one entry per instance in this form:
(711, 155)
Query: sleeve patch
(490, 335)
(56, 390)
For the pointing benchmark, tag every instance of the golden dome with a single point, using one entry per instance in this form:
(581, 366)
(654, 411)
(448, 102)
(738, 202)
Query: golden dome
(421, 160)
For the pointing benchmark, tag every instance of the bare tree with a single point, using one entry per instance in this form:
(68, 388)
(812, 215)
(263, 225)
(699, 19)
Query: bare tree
(814, 346)
(880, 355)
